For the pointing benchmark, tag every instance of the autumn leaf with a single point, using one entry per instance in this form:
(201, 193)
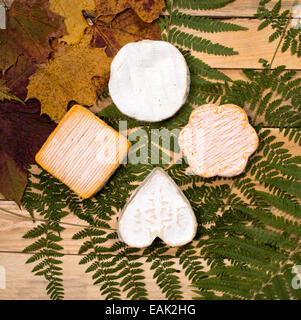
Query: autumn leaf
(22, 133)
(74, 20)
(147, 10)
(16, 78)
(69, 77)
(13, 180)
(126, 27)
(30, 25)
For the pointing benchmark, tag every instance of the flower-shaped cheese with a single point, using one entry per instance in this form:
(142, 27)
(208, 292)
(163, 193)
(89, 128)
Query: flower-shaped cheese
(218, 140)
(83, 151)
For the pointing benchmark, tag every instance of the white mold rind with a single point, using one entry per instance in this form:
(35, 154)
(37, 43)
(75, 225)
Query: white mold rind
(157, 208)
(149, 80)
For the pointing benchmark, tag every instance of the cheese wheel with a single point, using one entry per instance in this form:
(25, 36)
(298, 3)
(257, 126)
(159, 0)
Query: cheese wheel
(218, 140)
(149, 80)
(82, 151)
(157, 208)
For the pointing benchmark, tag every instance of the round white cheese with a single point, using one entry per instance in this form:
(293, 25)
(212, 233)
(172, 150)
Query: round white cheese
(149, 80)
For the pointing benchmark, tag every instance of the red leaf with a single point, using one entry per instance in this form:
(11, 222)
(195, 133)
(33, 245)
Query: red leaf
(30, 25)
(22, 133)
(17, 77)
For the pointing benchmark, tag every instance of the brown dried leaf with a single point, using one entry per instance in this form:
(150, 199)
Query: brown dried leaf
(13, 180)
(126, 27)
(147, 10)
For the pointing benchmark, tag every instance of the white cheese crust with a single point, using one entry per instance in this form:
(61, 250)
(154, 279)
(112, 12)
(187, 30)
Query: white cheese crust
(157, 208)
(149, 80)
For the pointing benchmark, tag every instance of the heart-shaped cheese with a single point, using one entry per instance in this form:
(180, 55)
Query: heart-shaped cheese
(157, 208)
(218, 140)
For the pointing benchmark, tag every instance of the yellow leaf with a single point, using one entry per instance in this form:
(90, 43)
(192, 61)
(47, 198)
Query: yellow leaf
(74, 20)
(69, 77)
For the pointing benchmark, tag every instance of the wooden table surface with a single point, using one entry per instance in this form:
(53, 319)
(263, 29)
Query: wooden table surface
(20, 282)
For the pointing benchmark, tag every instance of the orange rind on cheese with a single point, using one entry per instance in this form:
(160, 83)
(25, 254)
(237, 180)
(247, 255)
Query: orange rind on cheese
(83, 151)
(218, 140)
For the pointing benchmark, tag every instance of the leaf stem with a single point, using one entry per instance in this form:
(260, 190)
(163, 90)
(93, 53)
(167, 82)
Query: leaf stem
(279, 43)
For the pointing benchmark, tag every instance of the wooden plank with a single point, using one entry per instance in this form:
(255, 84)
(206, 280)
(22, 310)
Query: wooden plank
(22, 284)
(250, 44)
(239, 8)
(12, 229)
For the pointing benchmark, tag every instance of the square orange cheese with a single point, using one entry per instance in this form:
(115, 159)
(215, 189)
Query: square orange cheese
(83, 151)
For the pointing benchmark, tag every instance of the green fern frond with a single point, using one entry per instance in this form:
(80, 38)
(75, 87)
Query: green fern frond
(289, 186)
(203, 24)
(293, 134)
(131, 275)
(190, 262)
(286, 205)
(259, 257)
(272, 94)
(198, 43)
(164, 272)
(279, 21)
(199, 67)
(201, 5)
(46, 249)
(169, 25)
(269, 219)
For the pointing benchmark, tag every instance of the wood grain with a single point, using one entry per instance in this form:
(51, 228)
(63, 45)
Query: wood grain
(22, 284)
